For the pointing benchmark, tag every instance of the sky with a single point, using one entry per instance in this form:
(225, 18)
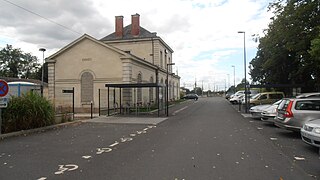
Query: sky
(203, 33)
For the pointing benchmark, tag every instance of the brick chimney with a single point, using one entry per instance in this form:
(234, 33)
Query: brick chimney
(119, 26)
(135, 25)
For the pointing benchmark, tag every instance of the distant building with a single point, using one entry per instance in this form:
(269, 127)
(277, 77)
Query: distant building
(129, 55)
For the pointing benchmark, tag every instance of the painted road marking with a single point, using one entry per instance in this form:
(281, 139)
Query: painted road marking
(103, 150)
(125, 139)
(114, 144)
(86, 157)
(71, 167)
(42, 178)
(68, 167)
(177, 111)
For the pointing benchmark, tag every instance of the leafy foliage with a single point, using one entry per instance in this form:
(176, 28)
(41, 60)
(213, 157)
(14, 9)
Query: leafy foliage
(27, 112)
(15, 63)
(283, 53)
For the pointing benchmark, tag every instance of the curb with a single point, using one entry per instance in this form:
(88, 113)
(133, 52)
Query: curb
(46, 128)
(38, 130)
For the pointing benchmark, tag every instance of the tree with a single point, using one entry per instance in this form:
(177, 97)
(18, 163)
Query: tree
(282, 56)
(15, 63)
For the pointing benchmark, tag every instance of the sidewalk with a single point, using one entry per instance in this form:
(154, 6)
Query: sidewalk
(86, 118)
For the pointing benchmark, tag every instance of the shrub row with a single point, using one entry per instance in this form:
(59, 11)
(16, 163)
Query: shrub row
(28, 111)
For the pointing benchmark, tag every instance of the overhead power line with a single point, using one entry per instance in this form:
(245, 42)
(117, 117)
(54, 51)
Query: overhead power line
(63, 26)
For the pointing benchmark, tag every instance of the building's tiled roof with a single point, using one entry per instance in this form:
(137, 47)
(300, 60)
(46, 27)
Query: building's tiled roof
(127, 34)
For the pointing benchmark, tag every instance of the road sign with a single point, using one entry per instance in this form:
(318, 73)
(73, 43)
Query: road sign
(3, 102)
(67, 91)
(4, 88)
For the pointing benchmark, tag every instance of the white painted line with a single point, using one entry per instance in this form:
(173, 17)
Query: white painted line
(42, 178)
(86, 157)
(103, 150)
(177, 111)
(125, 139)
(114, 144)
(132, 135)
(145, 129)
(299, 158)
(68, 167)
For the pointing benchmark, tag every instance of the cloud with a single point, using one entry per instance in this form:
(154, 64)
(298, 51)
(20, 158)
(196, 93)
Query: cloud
(203, 33)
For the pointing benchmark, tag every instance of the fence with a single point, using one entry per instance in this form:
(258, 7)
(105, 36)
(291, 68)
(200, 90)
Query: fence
(133, 99)
(64, 103)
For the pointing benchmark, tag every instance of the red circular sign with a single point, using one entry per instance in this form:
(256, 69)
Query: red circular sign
(4, 88)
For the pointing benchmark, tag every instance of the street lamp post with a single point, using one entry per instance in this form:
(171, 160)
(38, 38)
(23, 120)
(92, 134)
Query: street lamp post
(245, 71)
(42, 71)
(234, 78)
(228, 81)
(167, 96)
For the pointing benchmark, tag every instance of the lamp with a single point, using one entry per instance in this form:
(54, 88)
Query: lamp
(234, 78)
(42, 71)
(245, 70)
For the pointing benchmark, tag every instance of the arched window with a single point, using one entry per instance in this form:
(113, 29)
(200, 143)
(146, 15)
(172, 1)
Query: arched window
(86, 87)
(139, 91)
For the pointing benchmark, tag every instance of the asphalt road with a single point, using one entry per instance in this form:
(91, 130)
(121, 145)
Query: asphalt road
(204, 139)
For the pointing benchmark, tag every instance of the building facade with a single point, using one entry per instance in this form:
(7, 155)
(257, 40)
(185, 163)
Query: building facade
(129, 55)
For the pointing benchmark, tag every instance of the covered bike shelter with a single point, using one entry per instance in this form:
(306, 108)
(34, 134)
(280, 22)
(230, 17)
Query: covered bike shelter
(134, 86)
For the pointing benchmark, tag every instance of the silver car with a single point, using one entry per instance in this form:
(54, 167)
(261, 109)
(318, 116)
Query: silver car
(293, 113)
(310, 133)
(256, 111)
(270, 112)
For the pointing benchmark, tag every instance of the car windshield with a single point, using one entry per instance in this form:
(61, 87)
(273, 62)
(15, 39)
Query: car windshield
(255, 96)
(278, 102)
(283, 105)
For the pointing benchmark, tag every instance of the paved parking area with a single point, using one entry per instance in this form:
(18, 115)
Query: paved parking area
(127, 120)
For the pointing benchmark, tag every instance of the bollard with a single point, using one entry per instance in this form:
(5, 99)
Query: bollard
(91, 104)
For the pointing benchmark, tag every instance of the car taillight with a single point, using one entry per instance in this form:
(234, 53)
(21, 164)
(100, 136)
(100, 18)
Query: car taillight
(288, 112)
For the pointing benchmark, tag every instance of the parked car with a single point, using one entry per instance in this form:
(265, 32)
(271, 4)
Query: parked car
(238, 93)
(256, 111)
(191, 96)
(269, 113)
(236, 99)
(310, 133)
(228, 95)
(249, 96)
(292, 113)
(239, 96)
(266, 98)
(309, 95)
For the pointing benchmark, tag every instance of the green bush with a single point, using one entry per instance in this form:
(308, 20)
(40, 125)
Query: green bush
(27, 112)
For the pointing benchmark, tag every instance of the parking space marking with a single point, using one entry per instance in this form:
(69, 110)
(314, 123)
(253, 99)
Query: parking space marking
(179, 110)
(114, 144)
(68, 167)
(71, 167)
(103, 150)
